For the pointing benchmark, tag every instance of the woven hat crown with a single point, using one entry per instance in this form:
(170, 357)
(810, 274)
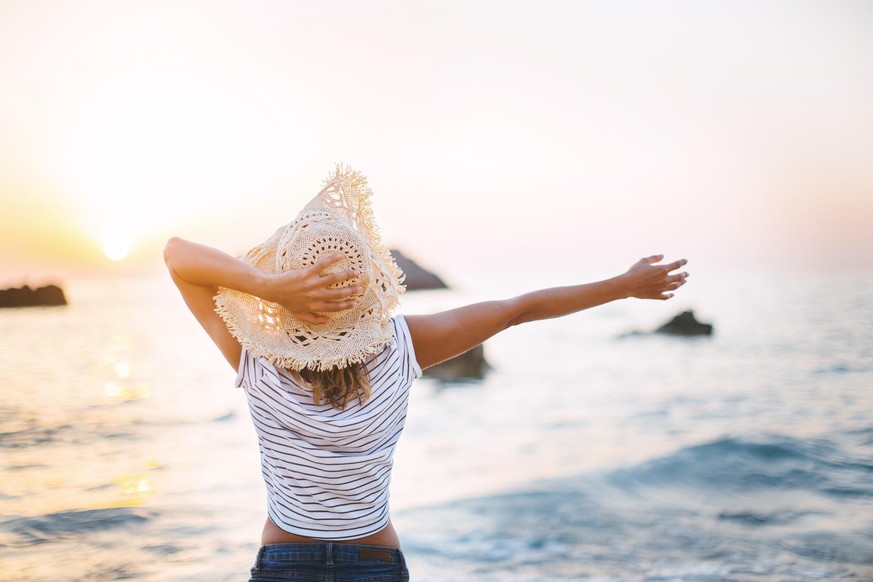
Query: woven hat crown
(339, 219)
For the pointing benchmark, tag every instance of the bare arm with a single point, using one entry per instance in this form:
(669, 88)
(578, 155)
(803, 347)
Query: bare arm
(198, 271)
(440, 336)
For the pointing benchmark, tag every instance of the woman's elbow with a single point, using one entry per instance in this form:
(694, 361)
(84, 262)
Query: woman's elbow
(518, 311)
(170, 250)
(518, 320)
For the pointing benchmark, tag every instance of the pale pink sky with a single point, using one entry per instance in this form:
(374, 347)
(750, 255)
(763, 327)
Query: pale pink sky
(551, 133)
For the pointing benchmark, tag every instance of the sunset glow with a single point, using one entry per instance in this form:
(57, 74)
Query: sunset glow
(116, 247)
(614, 130)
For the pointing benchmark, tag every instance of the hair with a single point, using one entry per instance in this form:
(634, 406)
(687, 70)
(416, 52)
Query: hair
(337, 386)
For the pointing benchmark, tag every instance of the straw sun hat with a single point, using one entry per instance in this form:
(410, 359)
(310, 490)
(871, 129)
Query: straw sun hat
(338, 220)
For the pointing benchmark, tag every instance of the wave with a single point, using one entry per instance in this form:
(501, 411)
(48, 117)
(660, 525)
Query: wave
(734, 465)
(37, 433)
(227, 416)
(34, 435)
(860, 436)
(732, 508)
(31, 530)
(65, 434)
(760, 518)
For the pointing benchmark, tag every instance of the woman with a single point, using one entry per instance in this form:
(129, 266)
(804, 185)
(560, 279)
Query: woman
(305, 319)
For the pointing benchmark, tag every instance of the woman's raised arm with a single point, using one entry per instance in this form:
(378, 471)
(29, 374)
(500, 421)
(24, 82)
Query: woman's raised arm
(198, 271)
(441, 336)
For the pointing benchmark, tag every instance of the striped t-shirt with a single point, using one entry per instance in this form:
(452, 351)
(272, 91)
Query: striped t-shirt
(327, 470)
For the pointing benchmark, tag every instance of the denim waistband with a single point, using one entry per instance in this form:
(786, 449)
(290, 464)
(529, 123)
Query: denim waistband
(328, 552)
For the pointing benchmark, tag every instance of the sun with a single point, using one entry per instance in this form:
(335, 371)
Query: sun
(116, 247)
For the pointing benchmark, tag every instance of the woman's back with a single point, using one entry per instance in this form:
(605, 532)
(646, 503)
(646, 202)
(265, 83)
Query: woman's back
(326, 469)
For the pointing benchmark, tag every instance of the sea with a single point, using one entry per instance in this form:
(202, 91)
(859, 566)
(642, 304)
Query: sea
(591, 450)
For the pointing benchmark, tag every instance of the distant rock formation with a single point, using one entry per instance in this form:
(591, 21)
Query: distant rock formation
(470, 365)
(417, 277)
(27, 297)
(685, 324)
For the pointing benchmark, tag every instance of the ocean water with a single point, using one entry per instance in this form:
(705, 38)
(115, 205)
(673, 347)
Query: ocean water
(585, 453)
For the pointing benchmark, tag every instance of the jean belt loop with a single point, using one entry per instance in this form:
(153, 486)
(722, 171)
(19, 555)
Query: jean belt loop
(328, 550)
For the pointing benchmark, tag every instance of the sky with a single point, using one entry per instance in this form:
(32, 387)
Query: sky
(548, 134)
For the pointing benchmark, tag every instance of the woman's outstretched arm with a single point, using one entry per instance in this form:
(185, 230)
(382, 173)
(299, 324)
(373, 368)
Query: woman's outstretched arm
(198, 271)
(440, 336)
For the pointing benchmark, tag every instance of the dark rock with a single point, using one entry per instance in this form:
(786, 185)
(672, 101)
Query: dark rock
(470, 365)
(685, 324)
(417, 278)
(27, 297)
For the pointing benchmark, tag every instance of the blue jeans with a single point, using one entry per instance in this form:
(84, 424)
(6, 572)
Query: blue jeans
(329, 562)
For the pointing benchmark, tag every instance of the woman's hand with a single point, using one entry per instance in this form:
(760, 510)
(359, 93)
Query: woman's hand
(648, 280)
(305, 292)
(199, 271)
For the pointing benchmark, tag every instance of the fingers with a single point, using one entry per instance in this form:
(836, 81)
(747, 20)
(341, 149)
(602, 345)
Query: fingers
(673, 282)
(325, 262)
(328, 279)
(668, 267)
(653, 281)
(320, 308)
(675, 265)
(333, 278)
(322, 264)
(326, 307)
(330, 296)
(337, 293)
(333, 306)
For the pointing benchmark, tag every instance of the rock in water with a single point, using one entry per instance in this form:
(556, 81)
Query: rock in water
(470, 365)
(685, 324)
(417, 278)
(27, 297)
(49, 295)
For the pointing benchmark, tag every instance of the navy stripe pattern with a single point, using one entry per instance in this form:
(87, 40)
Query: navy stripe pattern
(327, 470)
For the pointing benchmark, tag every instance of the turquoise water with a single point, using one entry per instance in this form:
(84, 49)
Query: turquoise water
(584, 454)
